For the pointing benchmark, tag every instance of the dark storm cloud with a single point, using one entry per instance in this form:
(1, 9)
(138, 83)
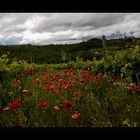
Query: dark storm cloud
(53, 27)
(117, 34)
(101, 20)
(80, 21)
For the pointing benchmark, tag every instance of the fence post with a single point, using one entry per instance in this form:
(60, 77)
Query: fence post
(104, 45)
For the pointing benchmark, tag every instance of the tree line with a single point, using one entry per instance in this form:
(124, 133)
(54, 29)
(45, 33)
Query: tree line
(60, 53)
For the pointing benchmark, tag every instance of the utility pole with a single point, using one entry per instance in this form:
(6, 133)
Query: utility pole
(104, 45)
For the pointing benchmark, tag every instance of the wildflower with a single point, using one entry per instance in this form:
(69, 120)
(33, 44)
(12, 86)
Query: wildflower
(57, 75)
(54, 90)
(17, 76)
(45, 83)
(92, 77)
(133, 88)
(69, 86)
(100, 77)
(51, 87)
(29, 70)
(74, 73)
(36, 82)
(25, 91)
(61, 82)
(69, 79)
(76, 94)
(85, 74)
(68, 106)
(56, 108)
(42, 104)
(52, 82)
(15, 104)
(6, 108)
(45, 75)
(67, 70)
(15, 85)
(76, 116)
(81, 80)
(114, 77)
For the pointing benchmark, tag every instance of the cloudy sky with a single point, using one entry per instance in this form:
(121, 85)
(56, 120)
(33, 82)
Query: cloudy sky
(58, 28)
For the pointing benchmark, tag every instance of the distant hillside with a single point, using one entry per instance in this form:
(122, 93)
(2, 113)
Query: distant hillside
(66, 52)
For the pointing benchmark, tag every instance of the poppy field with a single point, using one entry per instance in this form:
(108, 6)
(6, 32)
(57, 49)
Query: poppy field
(76, 94)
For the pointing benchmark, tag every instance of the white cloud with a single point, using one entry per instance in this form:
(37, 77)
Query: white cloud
(1, 36)
(30, 37)
(33, 22)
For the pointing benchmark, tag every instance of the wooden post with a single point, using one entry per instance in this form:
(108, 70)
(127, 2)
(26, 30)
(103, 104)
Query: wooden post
(104, 45)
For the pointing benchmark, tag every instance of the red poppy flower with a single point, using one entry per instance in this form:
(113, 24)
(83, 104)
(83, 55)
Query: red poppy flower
(74, 73)
(15, 104)
(100, 77)
(57, 75)
(56, 108)
(69, 86)
(53, 89)
(133, 88)
(45, 83)
(46, 77)
(81, 80)
(114, 77)
(92, 77)
(17, 76)
(36, 82)
(70, 71)
(97, 81)
(85, 74)
(68, 106)
(29, 70)
(44, 73)
(42, 104)
(61, 82)
(70, 79)
(76, 94)
(15, 85)
(76, 116)
(52, 82)
(66, 70)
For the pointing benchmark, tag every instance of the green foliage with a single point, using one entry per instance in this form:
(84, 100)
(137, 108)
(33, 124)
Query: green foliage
(63, 55)
(52, 54)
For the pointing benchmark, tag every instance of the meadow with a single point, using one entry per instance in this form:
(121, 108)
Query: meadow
(91, 93)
